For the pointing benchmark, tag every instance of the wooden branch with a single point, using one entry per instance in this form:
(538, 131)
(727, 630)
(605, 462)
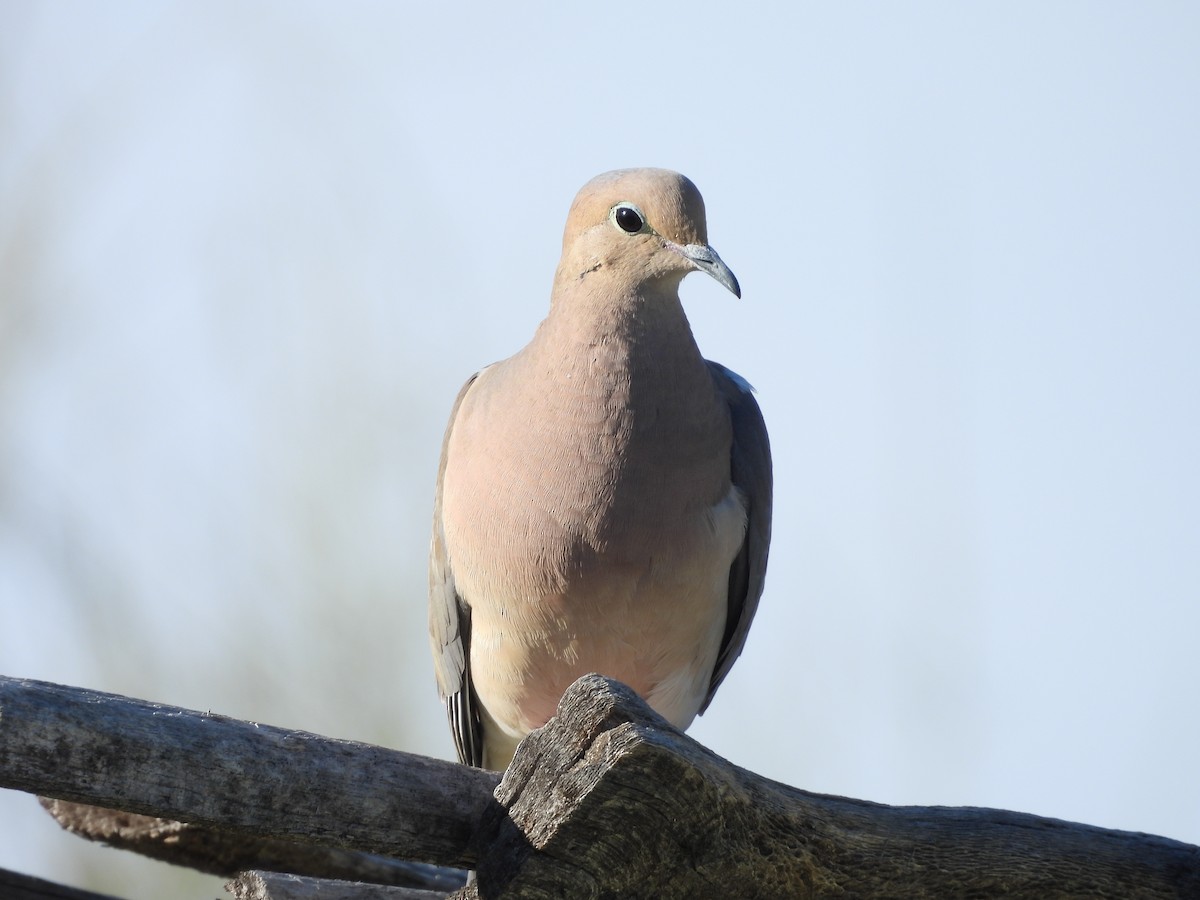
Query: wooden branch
(228, 853)
(274, 886)
(15, 886)
(109, 751)
(608, 800)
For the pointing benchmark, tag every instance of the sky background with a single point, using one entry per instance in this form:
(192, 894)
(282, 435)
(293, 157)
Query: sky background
(249, 253)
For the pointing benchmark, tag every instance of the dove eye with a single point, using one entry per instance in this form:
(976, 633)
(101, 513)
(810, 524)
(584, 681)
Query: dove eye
(628, 218)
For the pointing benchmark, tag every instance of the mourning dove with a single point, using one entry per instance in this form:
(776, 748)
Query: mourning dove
(604, 496)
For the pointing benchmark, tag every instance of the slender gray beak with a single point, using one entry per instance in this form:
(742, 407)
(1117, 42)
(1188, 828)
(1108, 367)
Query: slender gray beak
(705, 258)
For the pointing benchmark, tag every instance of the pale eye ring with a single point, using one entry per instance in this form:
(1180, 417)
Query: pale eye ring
(628, 218)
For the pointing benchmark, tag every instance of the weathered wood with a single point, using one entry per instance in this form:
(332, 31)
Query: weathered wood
(608, 800)
(228, 853)
(15, 886)
(274, 886)
(605, 801)
(114, 752)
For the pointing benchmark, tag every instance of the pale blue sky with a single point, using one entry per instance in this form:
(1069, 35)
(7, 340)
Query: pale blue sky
(248, 253)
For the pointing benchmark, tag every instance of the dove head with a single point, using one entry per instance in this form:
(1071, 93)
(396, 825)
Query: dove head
(635, 230)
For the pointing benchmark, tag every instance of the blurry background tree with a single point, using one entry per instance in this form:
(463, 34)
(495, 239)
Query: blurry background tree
(248, 254)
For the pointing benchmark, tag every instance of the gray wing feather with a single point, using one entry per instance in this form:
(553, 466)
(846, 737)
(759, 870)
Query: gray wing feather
(450, 627)
(750, 462)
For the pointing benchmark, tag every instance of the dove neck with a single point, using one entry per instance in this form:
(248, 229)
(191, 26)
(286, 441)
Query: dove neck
(648, 316)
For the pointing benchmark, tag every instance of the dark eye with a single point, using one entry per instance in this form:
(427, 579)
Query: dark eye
(628, 219)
